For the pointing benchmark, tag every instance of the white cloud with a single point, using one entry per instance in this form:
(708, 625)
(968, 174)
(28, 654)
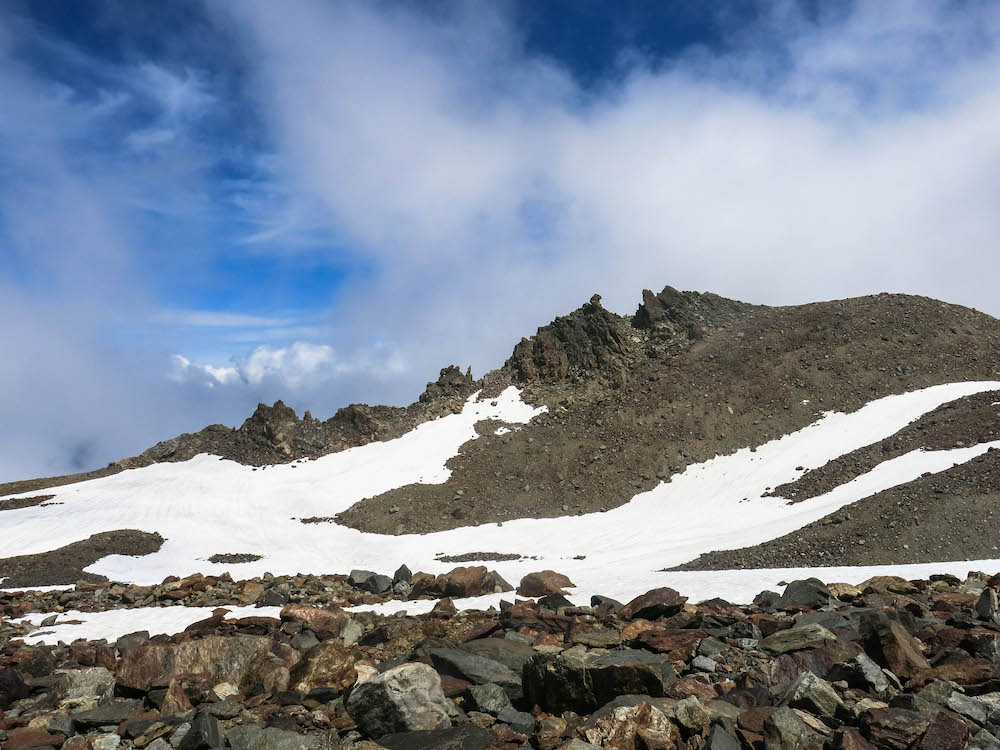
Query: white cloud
(292, 365)
(492, 192)
(301, 365)
(182, 370)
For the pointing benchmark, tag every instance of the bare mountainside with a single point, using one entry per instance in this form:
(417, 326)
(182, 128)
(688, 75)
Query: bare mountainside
(633, 400)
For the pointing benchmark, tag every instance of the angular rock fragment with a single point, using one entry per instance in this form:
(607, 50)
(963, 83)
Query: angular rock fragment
(407, 698)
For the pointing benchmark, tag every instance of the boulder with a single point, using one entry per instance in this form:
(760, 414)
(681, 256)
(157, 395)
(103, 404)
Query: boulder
(478, 670)
(988, 607)
(861, 672)
(888, 585)
(620, 727)
(810, 693)
(111, 713)
(810, 593)
(520, 721)
(368, 580)
(250, 737)
(28, 737)
(512, 654)
(219, 658)
(407, 698)
(945, 732)
(466, 737)
(661, 602)
(12, 687)
(543, 583)
(568, 683)
(328, 665)
(205, 732)
(785, 730)
(797, 639)
(458, 582)
(893, 728)
(889, 644)
(848, 738)
(317, 619)
(488, 699)
(721, 738)
(96, 683)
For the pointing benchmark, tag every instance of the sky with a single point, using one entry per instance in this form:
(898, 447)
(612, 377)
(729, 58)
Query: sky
(209, 204)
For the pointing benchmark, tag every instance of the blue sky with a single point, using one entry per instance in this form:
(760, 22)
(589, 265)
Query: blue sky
(204, 205)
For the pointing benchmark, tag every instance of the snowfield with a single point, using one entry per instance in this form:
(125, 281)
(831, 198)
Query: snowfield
(207, 506)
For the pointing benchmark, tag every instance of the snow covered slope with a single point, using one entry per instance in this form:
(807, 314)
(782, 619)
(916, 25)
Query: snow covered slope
(207, 506)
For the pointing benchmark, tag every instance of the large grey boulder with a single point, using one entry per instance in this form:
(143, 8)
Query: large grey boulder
(478, 670)
(512, 654)
(94, 682)
(812, 694)
(407, 698)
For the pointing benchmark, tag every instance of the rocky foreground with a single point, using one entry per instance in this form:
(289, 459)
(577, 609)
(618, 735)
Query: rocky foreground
(890, 664)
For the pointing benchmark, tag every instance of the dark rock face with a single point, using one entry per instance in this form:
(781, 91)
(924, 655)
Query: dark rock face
(809, 593)
(560, 684)
(589, 342)
(12, 687)
(662, 602)
(272, 427)
(478, 670)
(451, 383)
(687, 314)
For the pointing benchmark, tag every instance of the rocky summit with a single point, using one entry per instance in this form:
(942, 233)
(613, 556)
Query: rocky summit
(566, 553)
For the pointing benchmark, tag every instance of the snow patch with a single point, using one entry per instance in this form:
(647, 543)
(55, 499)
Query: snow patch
(114, 623)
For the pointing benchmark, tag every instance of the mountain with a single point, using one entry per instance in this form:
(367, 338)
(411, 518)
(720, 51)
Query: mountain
(593, 413)
(254, 587)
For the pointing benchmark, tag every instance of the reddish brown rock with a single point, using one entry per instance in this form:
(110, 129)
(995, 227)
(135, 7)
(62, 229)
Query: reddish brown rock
(890, 645)
(946, 732)
(453, 686)
(444, 608)
(893, 728)
(317, 619)
(543, 583)
(328, 665)
(175, 701)
(678, 645)
(753, 719)
(27, 737)
(969, 672)
(698, 685)
(848, 738)
(220, 658)
(661, 602)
